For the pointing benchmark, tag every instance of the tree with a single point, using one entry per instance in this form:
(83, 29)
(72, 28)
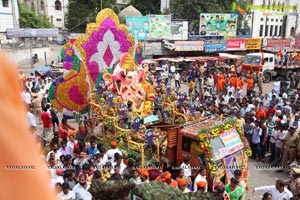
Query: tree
(190, 9)
(146, 7)
(28, 19)
(82, 12)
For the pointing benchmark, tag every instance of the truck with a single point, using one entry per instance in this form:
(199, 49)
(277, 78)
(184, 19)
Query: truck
(266, 63)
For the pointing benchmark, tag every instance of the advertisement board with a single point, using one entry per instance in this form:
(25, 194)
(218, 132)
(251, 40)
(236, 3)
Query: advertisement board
(232, 142)
(179, 30)
(253, 43)
(160, 27)
(218, 24)
(215, 47)
(236, 44)
(189, 45)
(278, 42)
(138, 26)
(297, 42)
(31, 32)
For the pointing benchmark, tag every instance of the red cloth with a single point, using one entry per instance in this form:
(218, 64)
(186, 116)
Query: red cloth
(46, 119)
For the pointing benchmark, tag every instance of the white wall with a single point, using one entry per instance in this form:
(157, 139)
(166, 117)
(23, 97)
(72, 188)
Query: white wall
(57, 14)
(9, 16)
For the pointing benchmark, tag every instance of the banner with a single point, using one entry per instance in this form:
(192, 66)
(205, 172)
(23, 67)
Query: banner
(253, 43)
(179, 30)
(236, 44)
(218, 24)
(215, 47)
(232, 141)
(138, 26)
(160, 27)
(278, 42)
(189, 45)
(233, 163)
(297, 41)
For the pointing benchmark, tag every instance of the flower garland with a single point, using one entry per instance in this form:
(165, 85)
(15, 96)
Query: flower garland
(206, 134)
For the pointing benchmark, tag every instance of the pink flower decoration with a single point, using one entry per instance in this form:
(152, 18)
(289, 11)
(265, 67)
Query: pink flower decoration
(75, 94)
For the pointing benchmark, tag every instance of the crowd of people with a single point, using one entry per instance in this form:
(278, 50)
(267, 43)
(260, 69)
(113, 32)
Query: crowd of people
(270, 122)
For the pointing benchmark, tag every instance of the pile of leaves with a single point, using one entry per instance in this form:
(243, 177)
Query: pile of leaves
(114, 190)
(157, 190)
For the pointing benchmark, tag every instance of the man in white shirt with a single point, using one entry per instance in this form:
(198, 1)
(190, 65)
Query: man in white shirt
(66, 194)
(172, 69)
(278, 190)
(70, 145)
(177, 79)
(31, 120)
(186, 166)
(200, 177)
(81, 189)
(111, 152)
(276, 86)
(57, 153)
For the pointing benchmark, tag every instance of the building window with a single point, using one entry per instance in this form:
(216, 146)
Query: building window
(32, 6)
(58, 20)
(262, 19)
(271, 30)
(275, 31)
(266, 30)
(5, 3)
(57, 5)
(42, 5)
(282, 9)
(276, 20)
(279, 34)
(281, 20)
(261, 29)
(267, 19)
(272, 20)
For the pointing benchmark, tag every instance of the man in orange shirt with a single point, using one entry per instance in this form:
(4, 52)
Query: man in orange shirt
(233, 80)
(22, 171)
(220, 84)
(260, 112)
(240, 83)
(250, 84)
(167, 178)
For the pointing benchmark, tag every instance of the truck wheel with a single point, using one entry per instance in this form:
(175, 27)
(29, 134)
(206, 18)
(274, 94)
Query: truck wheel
(288, 75)
(267, 77)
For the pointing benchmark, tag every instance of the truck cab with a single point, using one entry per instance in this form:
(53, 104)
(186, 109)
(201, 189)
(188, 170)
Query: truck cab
(255, 63)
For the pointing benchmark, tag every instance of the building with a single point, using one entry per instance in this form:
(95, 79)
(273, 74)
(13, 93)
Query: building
(54, 9)
(275, 18)
(9, 15)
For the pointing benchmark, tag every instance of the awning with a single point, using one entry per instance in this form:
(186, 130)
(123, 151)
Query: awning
(230, 56)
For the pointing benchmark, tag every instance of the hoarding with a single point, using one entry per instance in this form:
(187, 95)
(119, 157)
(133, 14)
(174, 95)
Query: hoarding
(179, 30)
(31, 32)
(218, 24)
(236, 44)
(253, 43)
(189, 45)
(278, 42)
(160, 27)
(215, 47)
(297, 42)
(138, 26)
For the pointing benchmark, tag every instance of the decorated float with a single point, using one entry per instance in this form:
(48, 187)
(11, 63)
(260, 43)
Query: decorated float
(110, 92)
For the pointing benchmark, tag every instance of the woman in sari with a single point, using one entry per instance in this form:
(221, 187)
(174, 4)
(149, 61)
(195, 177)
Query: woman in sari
(234, 191)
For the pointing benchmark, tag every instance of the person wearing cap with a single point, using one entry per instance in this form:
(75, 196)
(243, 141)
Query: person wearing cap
(166, 177)
(182, 186)
(289, 150)
(144, 175)
(201, 185)
(272, 137)
(111, 152)
(66, 193)
(294, 183)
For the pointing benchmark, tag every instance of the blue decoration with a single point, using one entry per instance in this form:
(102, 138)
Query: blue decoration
(123, 111)
(181, 99)
(158, 81)
(192, 108)
(168, 88)
(149, 137)
(136, 124)
(101, 87)
(110, 98)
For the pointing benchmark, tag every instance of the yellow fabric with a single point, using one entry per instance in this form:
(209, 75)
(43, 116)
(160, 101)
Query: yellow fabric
(17, 146)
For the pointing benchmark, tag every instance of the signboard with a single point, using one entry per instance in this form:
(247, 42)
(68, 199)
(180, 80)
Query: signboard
(33, 32)
(253, 43)
(179, 30)
(215, 47)
(236, 44)
(218, 24)
(232, 141)
(217, 144)
(160, 27)
(278, 42)
(138, 26)
(154, 48)
(189, 45)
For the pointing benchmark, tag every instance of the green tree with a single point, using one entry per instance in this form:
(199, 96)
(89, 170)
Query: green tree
(147, 7)
(190, 9)
(82, 12)
(28, 19)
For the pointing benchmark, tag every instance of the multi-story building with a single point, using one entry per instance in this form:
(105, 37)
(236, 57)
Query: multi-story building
(9, 15)
(54, 9)
(275, 18)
